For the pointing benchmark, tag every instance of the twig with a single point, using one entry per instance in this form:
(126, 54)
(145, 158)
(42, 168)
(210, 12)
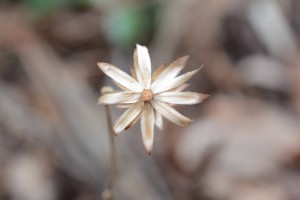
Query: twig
(108, 194)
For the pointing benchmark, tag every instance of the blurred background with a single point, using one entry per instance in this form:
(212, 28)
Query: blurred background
(244, 143)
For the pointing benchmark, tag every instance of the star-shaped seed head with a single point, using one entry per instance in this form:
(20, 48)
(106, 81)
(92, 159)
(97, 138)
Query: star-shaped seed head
(149, 96)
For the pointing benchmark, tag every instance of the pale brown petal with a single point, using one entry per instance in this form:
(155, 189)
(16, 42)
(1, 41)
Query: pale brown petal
(128, 116)
(119, 97)
(123, 105)
(157, 72)
(171, 84)
(147, 126)
(133, 73)
(134, 121)
(136, 67)
(181, 97)
(171, 71)
(121, 87)
(179, 88)
(120, 77)
(142, 65)
(171, 114)
(158, 120)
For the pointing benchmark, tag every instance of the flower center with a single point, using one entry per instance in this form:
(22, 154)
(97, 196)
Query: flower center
(147, 95)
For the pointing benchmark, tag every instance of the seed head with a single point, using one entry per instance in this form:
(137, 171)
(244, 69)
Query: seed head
(163, 88)
(147, 95)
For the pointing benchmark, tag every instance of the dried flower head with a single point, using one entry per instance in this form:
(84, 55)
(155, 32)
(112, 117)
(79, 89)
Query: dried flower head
(150, 97)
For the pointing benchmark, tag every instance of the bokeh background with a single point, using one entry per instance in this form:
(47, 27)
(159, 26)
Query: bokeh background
(244, 143)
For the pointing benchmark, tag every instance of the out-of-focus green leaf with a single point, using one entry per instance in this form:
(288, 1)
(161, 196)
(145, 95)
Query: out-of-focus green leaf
(40, 8)
(126, 26)
(83, 3)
